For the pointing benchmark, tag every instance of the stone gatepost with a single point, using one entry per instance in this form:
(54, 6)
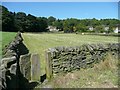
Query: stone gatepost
(35, 67)
(48, 65)
(25, 65)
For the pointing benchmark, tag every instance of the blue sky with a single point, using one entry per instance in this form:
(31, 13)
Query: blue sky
(65, 10)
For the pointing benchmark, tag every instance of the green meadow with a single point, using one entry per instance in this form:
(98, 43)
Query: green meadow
(39, 43)
(5, 39)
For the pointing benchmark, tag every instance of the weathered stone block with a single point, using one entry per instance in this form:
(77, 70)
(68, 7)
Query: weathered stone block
(35, 67)
(25, 65)
(8, 61)
(13, 68)
(2, 77)
(48, 65)
(60, 49)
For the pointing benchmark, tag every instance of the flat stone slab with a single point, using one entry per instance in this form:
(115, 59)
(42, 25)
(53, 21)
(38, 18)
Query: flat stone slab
(35, 67)
(25, 65)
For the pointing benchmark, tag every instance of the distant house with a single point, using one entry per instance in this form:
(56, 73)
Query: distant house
(91, 28)
(52, 28)
(116, 30)
(106, 28)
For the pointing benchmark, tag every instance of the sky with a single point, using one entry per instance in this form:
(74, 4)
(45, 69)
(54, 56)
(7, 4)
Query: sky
(63, 10)
(60, 0)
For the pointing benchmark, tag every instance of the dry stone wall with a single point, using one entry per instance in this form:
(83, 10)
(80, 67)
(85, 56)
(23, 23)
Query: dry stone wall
(10, 75)
(18, 67)
(66, 59)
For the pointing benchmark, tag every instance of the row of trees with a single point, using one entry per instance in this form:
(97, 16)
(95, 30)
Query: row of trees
(84, 25)
(13, 22)
(21, 22)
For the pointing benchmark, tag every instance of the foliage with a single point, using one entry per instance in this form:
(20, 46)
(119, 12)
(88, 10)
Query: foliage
(7, 20)
(59, 24)
(51, 20)
(81, 28)
(99, 29)
(19, 21)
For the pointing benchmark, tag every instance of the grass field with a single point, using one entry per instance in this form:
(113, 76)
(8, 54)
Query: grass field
(38, 43)
(6, 38)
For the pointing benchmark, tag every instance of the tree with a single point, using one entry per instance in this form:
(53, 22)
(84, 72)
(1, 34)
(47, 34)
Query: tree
(7, 20)
(66, 27)
(42, 24)
(35, 24)
(81, 28)
(94, 22)
(59, 24)
(99, 29)
(69, 25)
(31, 23)
(20, 21)
(51, 20)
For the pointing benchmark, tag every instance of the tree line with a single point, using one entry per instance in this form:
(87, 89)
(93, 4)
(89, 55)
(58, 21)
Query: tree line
(20, 21)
